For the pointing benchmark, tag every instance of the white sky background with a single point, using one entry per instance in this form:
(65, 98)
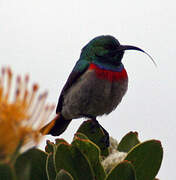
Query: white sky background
(44, 38)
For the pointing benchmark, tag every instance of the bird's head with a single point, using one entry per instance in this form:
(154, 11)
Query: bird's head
(107, 49)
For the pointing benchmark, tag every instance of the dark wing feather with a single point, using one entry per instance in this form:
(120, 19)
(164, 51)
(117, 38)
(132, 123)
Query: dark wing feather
(80, 67)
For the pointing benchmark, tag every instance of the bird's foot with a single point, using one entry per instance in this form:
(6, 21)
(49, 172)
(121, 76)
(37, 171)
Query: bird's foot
(94, 125)
(105, 138)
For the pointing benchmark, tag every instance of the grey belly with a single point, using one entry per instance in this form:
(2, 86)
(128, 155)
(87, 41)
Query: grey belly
(90, 96)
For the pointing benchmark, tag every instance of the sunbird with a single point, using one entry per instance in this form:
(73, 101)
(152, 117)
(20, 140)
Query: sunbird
(96, 84)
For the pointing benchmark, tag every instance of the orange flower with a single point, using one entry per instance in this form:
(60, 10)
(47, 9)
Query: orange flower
(22, 113)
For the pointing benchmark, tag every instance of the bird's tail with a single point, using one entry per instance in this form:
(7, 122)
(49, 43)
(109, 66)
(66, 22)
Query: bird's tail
(56, 127)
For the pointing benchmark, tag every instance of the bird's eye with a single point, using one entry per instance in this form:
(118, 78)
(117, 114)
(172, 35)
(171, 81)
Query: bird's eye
(98, 55)
(110, 46)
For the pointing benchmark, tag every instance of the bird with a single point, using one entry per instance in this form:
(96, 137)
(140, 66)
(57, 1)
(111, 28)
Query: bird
(96, 85)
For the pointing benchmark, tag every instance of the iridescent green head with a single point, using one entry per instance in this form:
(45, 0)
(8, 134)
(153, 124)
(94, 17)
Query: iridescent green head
(106, 49)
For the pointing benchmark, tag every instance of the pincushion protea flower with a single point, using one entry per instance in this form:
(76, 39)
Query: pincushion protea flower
(115, 156)
(22, 113)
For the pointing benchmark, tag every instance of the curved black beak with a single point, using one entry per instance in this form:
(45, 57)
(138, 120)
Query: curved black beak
(128, 47)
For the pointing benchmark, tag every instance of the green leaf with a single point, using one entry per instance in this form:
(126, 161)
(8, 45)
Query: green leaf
(96, 136)
(146, 159)
(50, 147)
(60, 140)
(33, 163)
(123, 171)
(69, 158)
(64, 175)
(50, 167)
(92, 152)
(6, 172)
(80, 135)
(128, 142)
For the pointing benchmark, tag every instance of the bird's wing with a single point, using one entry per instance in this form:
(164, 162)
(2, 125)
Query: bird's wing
(80, 67)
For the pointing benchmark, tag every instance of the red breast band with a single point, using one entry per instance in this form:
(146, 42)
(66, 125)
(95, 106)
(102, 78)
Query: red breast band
(108, 74)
